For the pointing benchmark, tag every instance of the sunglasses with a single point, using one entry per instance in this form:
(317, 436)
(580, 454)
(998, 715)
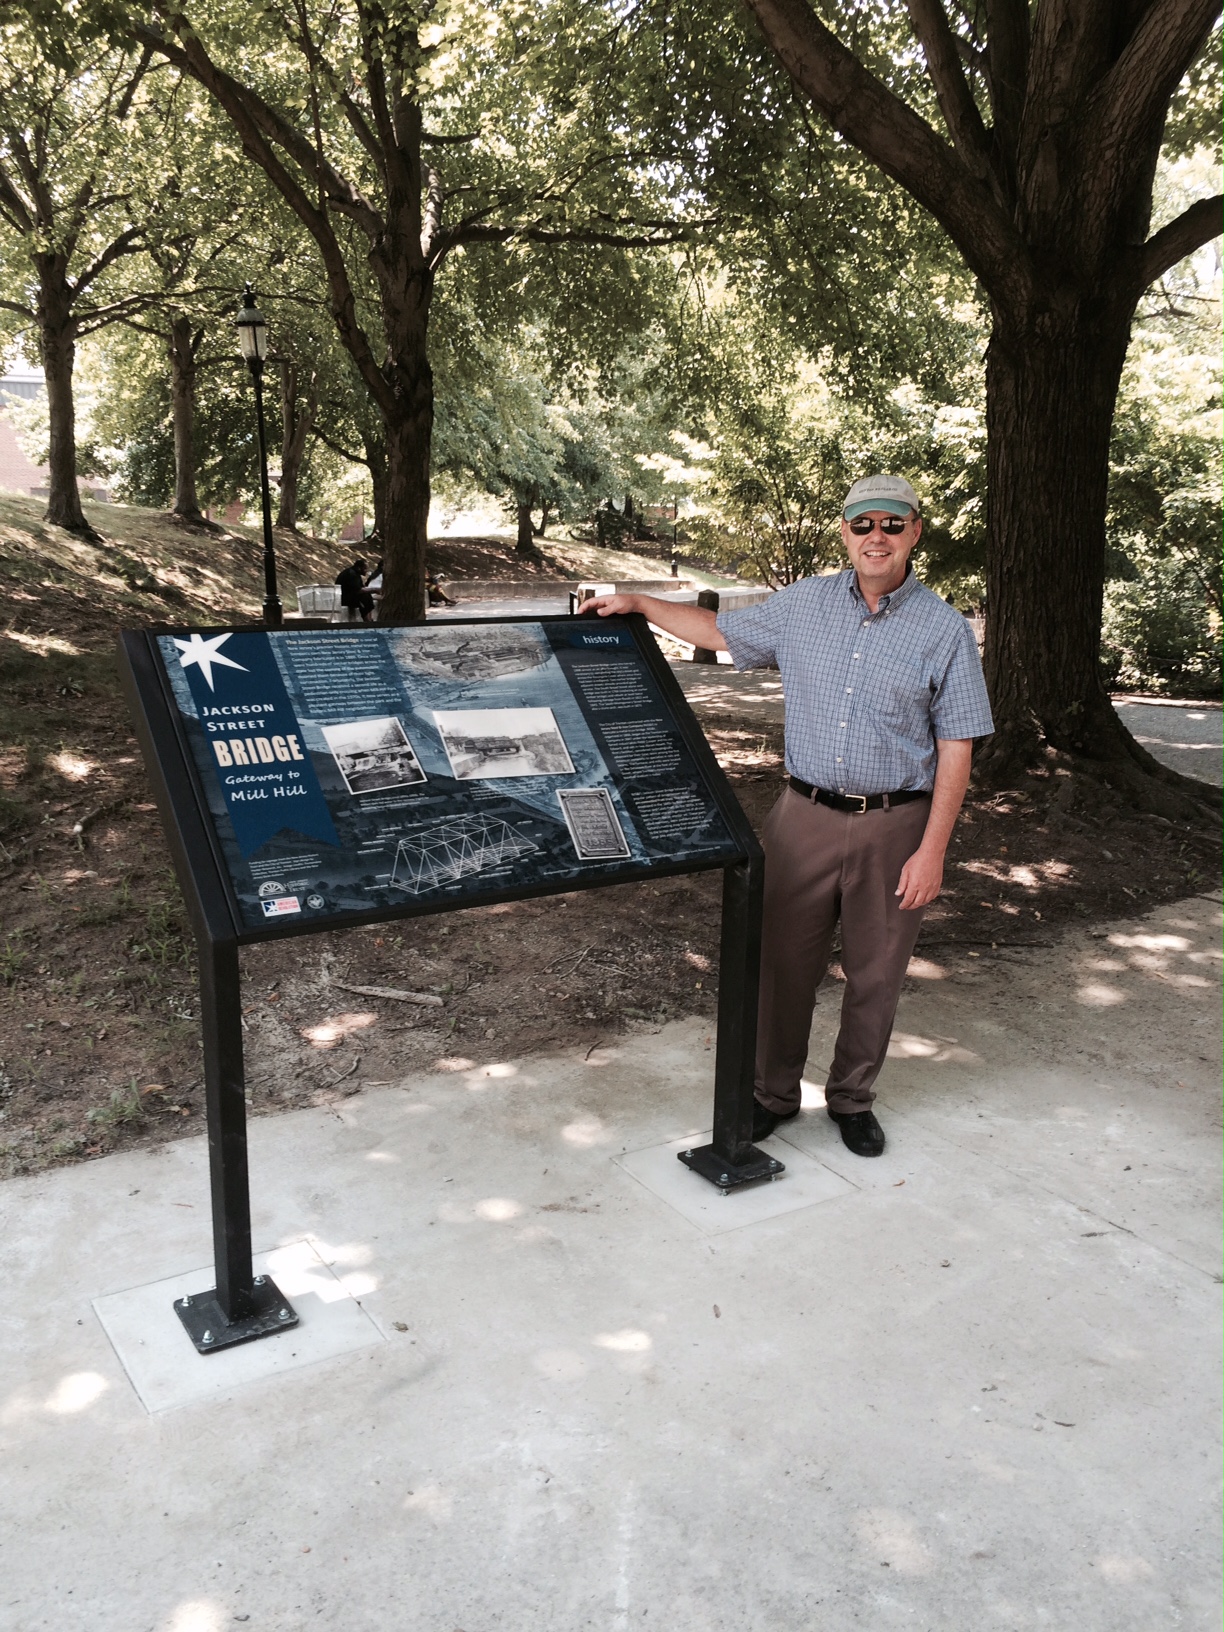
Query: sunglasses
(862, 525)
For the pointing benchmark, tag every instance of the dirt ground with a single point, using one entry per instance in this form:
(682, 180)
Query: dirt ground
(99, 1031)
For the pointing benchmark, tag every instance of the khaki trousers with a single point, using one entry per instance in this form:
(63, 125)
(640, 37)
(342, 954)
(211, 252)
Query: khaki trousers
(823, 865)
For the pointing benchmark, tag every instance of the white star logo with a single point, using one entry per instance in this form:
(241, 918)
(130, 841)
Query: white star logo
(205, 654)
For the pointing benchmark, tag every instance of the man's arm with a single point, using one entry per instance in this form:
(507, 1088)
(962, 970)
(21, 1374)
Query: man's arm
(922, 875)
(695, 624)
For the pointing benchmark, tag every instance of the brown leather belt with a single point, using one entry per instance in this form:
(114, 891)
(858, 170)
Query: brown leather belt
(856, 803)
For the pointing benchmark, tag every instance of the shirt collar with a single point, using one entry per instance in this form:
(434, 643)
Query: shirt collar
(887, 603)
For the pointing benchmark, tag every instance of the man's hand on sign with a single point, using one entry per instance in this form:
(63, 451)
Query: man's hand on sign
(609, 606)
(921, 878)
(695, 624)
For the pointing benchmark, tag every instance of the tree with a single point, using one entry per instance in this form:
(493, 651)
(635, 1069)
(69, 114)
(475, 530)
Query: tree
(1052, 122)
(80, 131)
(400, 135)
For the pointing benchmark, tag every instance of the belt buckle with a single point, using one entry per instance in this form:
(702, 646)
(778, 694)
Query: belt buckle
(862, 803)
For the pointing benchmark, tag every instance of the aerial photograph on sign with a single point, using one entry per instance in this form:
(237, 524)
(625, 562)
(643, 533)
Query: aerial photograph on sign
(492, 742)
(373, 754)
(466, 653)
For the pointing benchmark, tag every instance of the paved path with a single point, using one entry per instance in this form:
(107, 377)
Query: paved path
(1185, 736)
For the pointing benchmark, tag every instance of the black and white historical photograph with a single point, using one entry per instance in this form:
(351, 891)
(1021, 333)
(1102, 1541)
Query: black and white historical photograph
(593, 824)
(464, 652)
(490, 742)
(373, 754)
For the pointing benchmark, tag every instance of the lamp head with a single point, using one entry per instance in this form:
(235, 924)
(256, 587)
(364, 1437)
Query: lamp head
(252, 330)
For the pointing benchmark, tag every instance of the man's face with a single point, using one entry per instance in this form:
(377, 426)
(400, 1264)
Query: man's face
(880, 558)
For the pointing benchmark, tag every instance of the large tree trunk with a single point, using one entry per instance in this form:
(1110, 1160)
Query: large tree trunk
(182, 411)
(295, 429)
(1052, 378)
(404, 520)
(57, 347)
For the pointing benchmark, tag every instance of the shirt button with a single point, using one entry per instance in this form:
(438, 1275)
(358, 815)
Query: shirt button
(849, 689)
(856, 656)
(865, 621)
(839, 759)
(843, 725)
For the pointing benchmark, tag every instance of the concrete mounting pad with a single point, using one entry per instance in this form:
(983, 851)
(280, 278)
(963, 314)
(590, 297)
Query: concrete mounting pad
(976, 1390)
(167, 1371)
(804, 1183)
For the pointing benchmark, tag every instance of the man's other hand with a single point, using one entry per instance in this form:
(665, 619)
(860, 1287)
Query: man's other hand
(921, 879)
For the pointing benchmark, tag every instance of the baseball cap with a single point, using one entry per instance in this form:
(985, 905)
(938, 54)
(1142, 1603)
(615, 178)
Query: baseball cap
(891, 493)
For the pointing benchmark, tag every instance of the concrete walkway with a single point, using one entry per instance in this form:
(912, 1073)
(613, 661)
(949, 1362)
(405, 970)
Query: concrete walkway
(974, 1387)
(1186, 736)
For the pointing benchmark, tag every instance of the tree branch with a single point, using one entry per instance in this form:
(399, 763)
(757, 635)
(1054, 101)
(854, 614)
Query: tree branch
(345, 453)
(1007, 58)
(431, 227)
(12, 201)
(187, 53)
(125, 244)
(903, 145)
(960, 111)
(260, 129)
(1137, 89)
(1190, 231)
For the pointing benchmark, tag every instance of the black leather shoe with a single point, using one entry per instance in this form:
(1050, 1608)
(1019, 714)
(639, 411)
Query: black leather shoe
(860, 1132)
(764, 1121)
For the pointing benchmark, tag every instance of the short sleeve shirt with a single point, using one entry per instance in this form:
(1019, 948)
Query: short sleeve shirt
(867, 694)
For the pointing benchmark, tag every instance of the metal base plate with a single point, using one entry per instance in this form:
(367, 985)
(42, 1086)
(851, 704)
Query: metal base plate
(209, 1330)
(730, 1175)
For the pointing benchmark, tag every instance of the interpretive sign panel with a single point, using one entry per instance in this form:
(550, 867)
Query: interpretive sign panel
(313, 778)
(350, 772)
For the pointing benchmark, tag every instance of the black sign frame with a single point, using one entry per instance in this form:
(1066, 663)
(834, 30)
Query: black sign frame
(243, 1306)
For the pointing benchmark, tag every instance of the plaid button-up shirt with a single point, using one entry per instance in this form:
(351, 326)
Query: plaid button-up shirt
(867, 694)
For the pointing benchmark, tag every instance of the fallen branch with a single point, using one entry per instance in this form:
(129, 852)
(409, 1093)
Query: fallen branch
(78, 828)
(426, 999)
(924, 945)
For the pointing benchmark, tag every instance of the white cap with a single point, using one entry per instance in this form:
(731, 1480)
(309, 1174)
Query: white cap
(891, 493)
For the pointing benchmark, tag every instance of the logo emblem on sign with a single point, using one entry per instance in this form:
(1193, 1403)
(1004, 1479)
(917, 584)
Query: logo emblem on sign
(276, 909)
(315, 901)
(271, 888)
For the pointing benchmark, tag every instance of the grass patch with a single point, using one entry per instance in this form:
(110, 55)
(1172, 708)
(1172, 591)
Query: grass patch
(123, 1107)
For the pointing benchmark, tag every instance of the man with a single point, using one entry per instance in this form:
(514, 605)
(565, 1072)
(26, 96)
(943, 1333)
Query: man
(353, 593)
(884, 696)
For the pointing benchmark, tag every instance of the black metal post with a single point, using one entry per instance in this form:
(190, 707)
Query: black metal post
(707, 598)
(242, 1305)
(273, 611)
(731, 1159)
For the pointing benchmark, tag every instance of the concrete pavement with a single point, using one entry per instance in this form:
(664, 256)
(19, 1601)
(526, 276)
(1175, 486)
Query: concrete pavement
(1186, 736)
(974, 1386)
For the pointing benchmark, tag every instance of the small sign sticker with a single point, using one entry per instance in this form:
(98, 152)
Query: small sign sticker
(277, 908)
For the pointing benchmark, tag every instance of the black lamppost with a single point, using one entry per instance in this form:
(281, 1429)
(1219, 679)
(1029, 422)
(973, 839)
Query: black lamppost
(253, 343)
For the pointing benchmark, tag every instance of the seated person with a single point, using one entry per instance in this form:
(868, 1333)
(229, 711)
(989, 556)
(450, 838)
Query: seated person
(353, 593)
(437, 597)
